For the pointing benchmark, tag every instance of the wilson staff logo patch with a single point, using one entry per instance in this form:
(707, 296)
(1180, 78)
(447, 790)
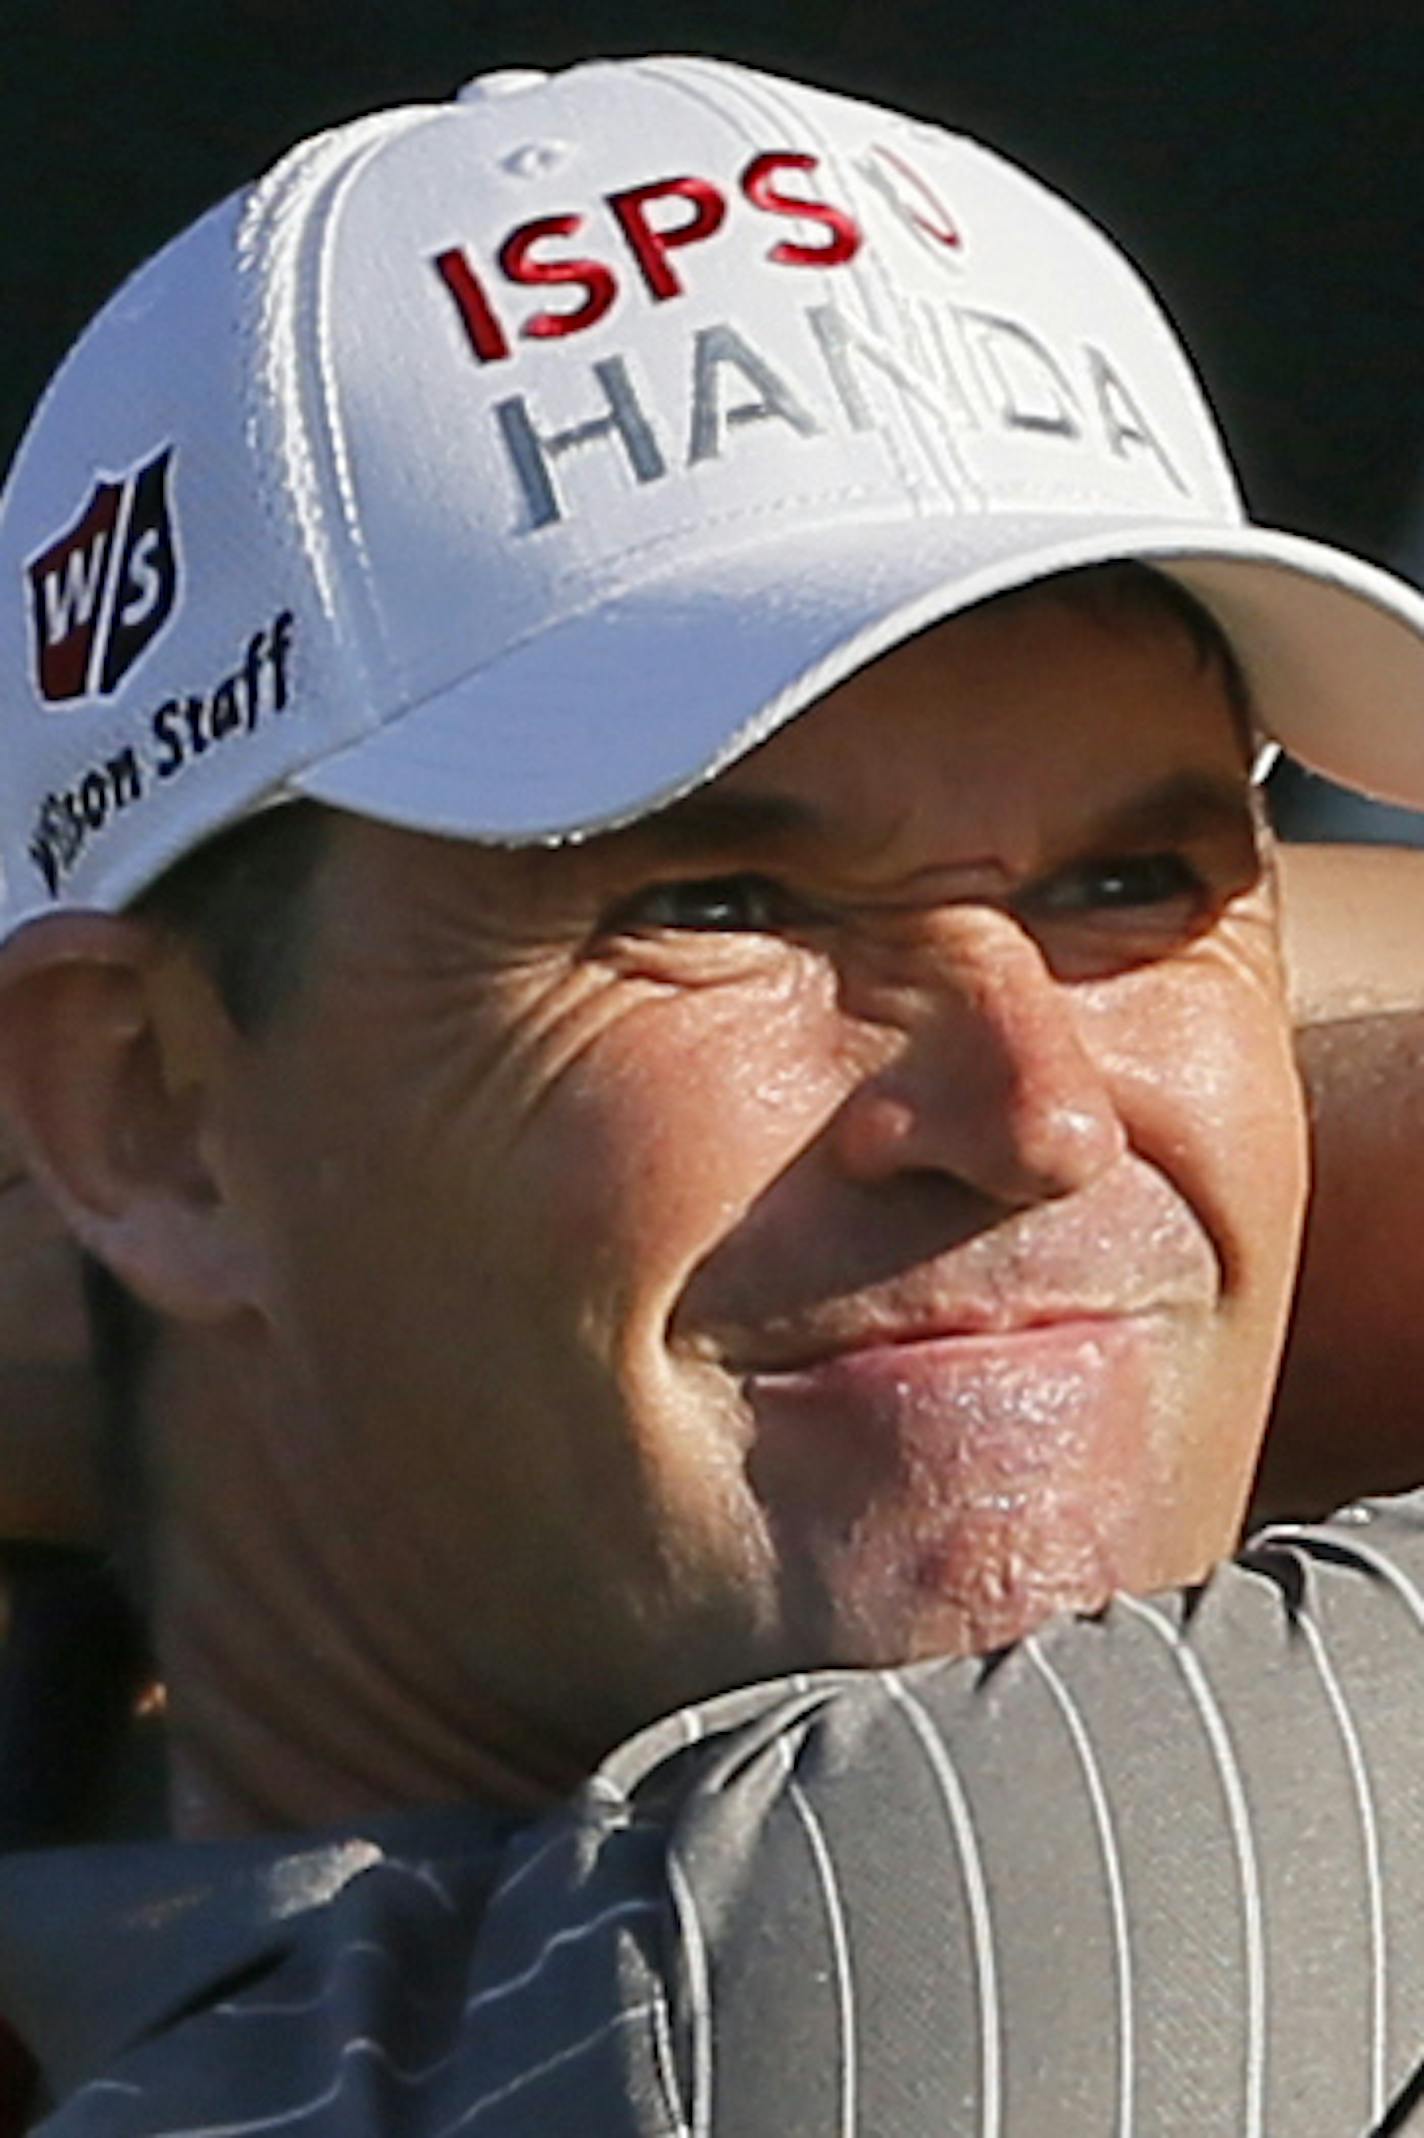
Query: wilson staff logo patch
(101, 592)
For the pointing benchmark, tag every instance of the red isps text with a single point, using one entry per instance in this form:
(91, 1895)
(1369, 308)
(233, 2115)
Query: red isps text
(640, 215)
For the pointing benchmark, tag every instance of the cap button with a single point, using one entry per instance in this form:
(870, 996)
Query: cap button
(506, 82)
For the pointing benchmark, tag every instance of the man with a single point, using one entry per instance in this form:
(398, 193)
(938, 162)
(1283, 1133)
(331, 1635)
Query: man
(691, 1194)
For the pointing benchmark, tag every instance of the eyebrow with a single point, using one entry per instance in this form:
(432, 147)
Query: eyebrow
(1182, 806)
(714, 822)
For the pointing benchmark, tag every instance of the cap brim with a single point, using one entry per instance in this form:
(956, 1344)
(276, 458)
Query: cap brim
(615, 711)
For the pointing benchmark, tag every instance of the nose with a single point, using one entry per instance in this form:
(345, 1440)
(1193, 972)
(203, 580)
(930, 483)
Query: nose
(992, 1081)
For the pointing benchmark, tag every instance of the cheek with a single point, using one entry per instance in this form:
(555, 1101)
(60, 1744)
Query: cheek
(1202, 1061)
(651, 1147)
(1202, 1066)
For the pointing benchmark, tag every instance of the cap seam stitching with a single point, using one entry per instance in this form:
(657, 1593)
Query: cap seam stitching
(870, 280)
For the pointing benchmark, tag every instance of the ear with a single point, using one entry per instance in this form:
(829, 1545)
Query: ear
(115, 1053)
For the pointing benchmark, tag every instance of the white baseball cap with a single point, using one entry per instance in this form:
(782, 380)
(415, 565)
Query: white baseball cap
(506, 468)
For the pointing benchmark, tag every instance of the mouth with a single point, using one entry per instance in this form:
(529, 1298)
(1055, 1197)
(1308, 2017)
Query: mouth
(904, 1344)
(888, 1376)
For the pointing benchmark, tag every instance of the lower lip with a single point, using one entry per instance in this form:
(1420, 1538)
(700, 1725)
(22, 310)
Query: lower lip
(995, 1411)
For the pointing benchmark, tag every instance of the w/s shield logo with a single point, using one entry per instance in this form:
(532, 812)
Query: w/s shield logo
(103, 590)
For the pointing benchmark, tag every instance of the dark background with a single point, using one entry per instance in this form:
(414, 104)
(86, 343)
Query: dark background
(1265, 162)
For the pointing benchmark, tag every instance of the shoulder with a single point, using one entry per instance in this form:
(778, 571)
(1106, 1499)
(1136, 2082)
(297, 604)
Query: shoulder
(1119, 1853)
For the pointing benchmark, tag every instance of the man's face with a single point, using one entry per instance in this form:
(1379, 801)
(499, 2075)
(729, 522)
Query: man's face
(844, 1218)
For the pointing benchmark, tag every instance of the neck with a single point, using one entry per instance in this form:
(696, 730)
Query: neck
(230, 1775)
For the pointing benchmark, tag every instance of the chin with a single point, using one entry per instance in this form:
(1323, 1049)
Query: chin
(975, 1591)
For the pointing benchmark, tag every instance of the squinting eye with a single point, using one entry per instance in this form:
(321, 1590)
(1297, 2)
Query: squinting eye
(1123, 883)
(729, 905)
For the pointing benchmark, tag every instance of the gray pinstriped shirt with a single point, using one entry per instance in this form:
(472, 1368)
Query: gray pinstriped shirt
(1157, 1872)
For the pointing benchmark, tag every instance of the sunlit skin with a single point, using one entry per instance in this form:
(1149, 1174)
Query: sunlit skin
(842, 1219)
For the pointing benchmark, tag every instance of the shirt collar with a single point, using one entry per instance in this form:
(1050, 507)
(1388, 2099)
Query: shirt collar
(101, 1945)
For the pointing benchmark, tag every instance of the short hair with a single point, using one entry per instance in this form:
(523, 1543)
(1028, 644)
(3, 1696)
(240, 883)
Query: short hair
(242, 902)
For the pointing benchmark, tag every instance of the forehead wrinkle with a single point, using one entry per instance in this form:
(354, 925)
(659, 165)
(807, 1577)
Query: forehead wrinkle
(840, 844)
